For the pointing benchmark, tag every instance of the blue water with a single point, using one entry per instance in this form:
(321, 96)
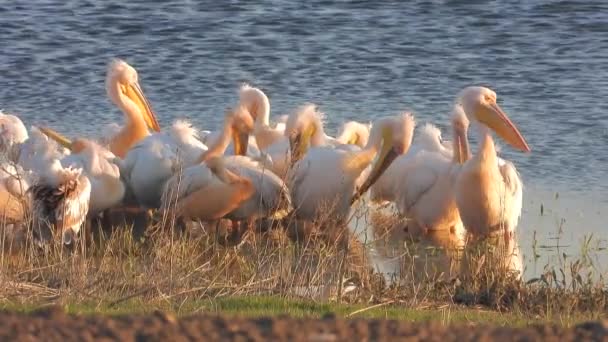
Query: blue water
(547, 60)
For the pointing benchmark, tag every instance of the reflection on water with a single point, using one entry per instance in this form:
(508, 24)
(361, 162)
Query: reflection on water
(553, 226)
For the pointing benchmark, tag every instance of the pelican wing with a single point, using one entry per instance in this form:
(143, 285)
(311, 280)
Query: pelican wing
(319, 186)
(514, 191)
(271, 196)
(147, 167)
(417, 177)
(64, 205)
(190, 180)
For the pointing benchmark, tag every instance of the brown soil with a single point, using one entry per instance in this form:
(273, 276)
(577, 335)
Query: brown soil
(52, 324)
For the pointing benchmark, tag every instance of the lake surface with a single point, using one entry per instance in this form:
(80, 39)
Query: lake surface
(547, 60)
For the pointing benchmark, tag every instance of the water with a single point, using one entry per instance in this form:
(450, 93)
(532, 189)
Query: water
(356, 59)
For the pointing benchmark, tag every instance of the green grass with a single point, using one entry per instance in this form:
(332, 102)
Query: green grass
(263, 306)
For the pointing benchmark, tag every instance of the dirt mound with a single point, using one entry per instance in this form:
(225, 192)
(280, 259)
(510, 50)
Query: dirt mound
(52, 324)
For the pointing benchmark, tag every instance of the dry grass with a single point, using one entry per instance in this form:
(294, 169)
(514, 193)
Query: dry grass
(175, 268)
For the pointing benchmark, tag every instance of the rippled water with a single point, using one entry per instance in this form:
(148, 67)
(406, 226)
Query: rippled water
(357, 59)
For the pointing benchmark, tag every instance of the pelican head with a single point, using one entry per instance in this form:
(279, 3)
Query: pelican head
(256, 102)
(123, 88)
(479, 104)
(395, 135)
(302, 127)
(355, 133)
(460, 125)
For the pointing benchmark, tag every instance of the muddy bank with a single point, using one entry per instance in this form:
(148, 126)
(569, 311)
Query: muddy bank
(52, 324)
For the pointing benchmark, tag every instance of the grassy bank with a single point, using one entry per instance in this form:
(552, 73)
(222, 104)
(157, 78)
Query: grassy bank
(200, 272)
(263, 306)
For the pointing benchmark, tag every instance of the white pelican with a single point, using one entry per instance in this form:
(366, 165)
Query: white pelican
(211, 191)
(258, 105)
(14, 200)
(270, 197)
(60, 203)
(12, 132)
(305, 120)
(421, 182)
(488, 192)
(123, 88)
(26, 155)
(353, 133)
(152, 161)
(307, 117)
(323, 180)
(97, 163)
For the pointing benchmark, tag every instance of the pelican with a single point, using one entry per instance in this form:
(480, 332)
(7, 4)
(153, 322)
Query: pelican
(352, 134)
(270, 195)
(421, 182)
(60, 202)
(254, 102)
(305, 120)
(12, 131)
(324, 180)
(97, 163)
(151, 162)
(213, 191)
(488, 191)
(14, 200)
(26, 155)
(258, 105)
(122, 86)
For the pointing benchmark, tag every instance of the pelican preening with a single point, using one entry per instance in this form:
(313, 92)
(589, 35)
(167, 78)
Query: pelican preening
(60, 202)
(268, 197)
(98, 164)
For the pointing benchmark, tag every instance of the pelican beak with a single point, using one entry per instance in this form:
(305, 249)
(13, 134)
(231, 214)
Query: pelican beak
(60, 139)
(299, 143)
(493, 116)
(240, 141)
(460, 150)
(135, 94)
(387, 155)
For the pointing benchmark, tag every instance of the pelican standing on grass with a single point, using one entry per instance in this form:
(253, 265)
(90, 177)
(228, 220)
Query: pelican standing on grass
(269, 198)
(213, 191)
(122, 86)
(152, 161)
(98, 164)
(60, 203)
(488, 191)
(173, 180)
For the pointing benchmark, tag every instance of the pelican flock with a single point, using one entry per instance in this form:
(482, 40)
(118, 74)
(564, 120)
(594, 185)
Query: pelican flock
(251, 169)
